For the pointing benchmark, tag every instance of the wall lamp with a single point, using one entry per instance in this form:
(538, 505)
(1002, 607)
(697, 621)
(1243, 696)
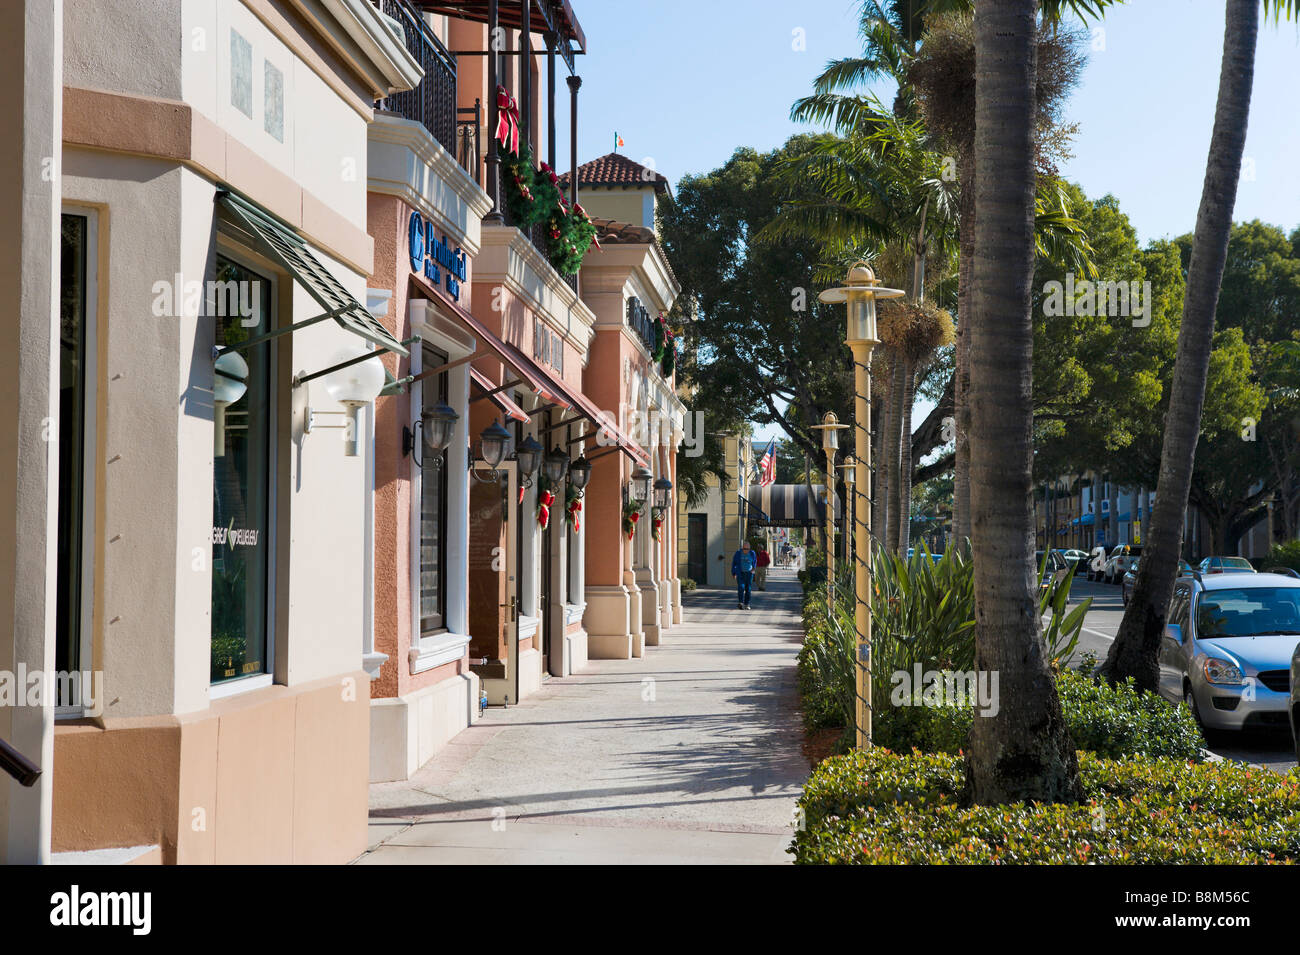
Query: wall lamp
(494, 445)
(638, 491)
(580, 474)
(354, 381)
(438, 424)
(556, 465)
(529, 458)
(663, 496)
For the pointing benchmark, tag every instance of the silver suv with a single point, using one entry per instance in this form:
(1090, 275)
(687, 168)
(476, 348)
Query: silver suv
(1228, 645)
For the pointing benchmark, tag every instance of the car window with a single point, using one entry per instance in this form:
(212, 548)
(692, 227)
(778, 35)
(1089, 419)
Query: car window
(1178, 610)
(1248, 611)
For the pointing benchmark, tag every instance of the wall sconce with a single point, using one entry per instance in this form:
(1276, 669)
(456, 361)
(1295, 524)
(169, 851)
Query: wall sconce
(556, 465)
(230, 372)
(354, 381)
(580, 474)
(494, 445)
(663, 496)
(438, 425)
(529, 458)
(639, 489)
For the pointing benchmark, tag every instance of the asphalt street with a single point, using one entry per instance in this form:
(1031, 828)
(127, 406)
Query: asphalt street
(1271, 749)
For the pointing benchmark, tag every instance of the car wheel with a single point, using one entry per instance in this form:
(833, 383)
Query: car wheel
(1189, 698)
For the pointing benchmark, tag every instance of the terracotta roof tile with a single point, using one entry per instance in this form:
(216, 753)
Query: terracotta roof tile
(615, 169)
(609, 231)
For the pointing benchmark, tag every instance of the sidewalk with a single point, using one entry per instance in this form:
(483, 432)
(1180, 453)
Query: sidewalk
(690, 755)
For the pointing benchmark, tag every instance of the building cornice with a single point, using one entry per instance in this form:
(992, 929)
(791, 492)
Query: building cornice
(509, 259)
(405, 161)
(392, 68)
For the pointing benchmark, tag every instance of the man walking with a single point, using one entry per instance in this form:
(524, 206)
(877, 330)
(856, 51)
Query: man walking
(763, 559)
(742, 568)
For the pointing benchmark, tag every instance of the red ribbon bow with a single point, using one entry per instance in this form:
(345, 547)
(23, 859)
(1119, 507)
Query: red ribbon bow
(574, 508)
(507, 120)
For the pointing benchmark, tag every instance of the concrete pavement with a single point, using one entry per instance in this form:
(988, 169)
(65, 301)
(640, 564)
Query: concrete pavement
(689, 755)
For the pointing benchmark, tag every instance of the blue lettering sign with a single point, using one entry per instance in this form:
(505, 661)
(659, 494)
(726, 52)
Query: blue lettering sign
(431, 255)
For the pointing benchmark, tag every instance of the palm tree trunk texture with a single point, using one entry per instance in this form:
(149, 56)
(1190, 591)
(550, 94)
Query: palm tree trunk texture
(1134, 652)
(886, 492)
(961, 522)
(905, 458)
(1023, 751)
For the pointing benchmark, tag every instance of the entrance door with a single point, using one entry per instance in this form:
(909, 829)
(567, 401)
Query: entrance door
(493, 581)
(697, 547)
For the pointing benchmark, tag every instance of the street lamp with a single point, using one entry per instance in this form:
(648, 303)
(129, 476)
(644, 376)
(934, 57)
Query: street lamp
(860, 292)
(849, 468)
(830, 429)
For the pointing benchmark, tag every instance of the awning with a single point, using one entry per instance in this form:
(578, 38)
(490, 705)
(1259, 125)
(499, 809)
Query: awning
(281, 245)
(552, 391)
(788, 505)
(498, 398)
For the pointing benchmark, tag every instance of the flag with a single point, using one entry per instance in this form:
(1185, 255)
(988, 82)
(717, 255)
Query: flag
(767, 465)
(618, 141)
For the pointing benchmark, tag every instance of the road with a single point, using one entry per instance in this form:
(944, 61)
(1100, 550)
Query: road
(1273, 750)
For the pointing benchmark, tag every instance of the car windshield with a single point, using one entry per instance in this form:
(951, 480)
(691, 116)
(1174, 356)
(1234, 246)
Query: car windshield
(1248, 612)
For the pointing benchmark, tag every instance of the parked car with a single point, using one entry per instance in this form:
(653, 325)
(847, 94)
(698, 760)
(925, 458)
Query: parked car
(1295, 701)
(1077, 559)
(1058, 568)
(1229, 649)
(1129, 582)
(1118, 563)
(1284, 571)
(1226, 565)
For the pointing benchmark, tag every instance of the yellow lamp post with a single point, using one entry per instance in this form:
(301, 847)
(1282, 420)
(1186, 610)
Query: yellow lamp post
(850, 469)
(861, 290)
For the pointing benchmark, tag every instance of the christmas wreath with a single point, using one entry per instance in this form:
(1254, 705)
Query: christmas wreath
(631, 514)
(669, 360)
(545, 498)
(533, 196)
(526, 192)
(660, 338)
(572, 508)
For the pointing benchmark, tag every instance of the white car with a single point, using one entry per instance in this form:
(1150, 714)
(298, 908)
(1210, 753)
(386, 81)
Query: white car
(1121, 559)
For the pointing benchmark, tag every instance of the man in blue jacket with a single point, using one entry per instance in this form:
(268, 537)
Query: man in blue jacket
(742, 568)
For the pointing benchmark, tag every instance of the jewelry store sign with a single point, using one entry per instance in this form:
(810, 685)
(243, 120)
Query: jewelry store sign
(434, 258)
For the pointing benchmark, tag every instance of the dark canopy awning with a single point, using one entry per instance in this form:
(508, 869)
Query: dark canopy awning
(788, 505)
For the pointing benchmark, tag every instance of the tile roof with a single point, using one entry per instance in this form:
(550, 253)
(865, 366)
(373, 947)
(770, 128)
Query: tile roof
(609, 231)
(615, 169)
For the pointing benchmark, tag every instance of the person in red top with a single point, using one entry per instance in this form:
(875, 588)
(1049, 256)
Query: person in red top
(760, 573)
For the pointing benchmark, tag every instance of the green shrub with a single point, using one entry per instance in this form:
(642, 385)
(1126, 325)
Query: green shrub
(1286, 554)
(1110, 721)
(878, 807)
(688, 584)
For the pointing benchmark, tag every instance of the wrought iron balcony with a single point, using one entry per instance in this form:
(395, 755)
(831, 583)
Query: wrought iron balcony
(433, 101)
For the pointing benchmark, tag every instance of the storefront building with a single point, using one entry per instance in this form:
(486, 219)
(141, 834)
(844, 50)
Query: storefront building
(215, 366)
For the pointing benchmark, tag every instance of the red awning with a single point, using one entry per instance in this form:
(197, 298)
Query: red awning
(498, 398)
(550, 390)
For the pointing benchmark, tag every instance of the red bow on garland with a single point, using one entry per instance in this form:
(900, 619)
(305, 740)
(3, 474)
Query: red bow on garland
(633, 518)
(574, 508)
(544, 502)
(507, 120)
(659, 522)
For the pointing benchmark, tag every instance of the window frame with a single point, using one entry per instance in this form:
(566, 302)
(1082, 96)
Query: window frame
(89, 443)
(427, 352)
(228, 247)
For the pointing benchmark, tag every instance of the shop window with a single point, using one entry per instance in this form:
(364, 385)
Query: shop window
(241, 74)
(433, 509)
(242, 491)
(74, 301)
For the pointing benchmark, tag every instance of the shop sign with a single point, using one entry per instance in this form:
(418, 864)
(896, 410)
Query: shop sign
(433, 257)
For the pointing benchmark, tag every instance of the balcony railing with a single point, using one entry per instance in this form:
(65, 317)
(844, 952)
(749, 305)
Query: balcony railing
(433, 101)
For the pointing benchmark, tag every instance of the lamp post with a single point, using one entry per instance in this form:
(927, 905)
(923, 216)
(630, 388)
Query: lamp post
(861, 290)
(830, 429)
(849, 467)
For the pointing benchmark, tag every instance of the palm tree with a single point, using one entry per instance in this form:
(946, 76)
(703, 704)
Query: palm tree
(1134, 652)
(1024, 751)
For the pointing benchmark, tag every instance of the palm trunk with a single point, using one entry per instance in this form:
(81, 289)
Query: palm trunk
(961, 522)
(1022, 750)
(905, 459)
(1134, 652)
(887, 470)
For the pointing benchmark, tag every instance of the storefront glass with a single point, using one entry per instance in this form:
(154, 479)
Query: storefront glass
(241, 485)
(433, 509)
(71, 436)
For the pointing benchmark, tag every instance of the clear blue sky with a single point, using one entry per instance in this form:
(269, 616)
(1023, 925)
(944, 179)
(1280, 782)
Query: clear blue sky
(685, 83)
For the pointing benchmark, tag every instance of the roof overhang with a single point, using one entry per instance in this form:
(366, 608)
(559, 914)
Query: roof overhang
(545, 16)
(388, 66)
